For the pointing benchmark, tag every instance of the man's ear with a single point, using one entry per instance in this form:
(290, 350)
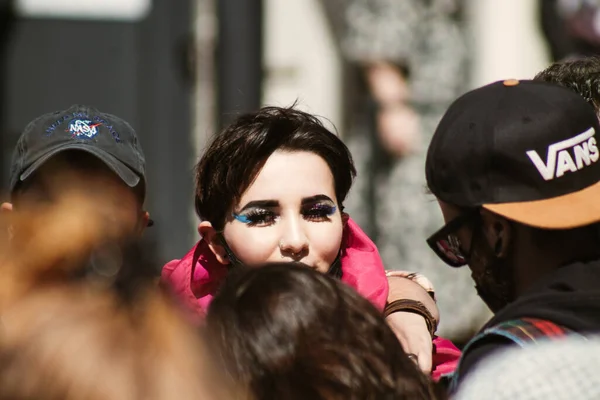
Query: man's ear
(143, 223)
(497, 231)
(210, 234)
(6, 207)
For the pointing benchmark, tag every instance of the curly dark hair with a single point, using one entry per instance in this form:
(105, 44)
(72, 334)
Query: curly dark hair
(581, 75)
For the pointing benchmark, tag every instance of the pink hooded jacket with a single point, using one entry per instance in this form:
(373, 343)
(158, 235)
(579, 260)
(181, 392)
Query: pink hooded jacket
(196, 278)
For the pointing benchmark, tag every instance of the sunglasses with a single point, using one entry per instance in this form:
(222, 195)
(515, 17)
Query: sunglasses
(446, 244)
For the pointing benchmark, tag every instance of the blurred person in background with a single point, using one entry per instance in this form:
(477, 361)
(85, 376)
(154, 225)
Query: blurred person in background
(285, 331)
(271, 187)
(71, 330)
(514, 167)
(408, 62)
(562, 370)
(571, 27)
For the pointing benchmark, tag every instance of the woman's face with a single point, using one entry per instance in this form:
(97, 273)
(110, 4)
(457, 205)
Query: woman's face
(290, 212)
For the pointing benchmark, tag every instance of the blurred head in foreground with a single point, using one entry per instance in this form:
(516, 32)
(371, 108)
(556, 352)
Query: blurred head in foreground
(72, 331)
(286, 331)
(554, 370)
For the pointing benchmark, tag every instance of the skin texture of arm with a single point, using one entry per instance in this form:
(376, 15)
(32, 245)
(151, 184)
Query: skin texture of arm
(410, 328)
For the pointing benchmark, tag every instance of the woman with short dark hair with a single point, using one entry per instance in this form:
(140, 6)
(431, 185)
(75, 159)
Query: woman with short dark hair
(270, 188)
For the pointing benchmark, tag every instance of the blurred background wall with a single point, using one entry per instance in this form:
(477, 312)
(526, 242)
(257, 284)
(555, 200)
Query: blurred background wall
(126, 57)
(302, 62)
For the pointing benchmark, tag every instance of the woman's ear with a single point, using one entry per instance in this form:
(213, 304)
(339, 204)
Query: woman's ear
(497, 231)
(345, 218)
(210, 234)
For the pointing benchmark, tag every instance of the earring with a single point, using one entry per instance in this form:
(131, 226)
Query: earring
(281, 248)
(498, 247)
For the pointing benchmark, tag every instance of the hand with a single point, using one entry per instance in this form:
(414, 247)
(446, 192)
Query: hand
(398, 129)
(386, 83)
(411, 330)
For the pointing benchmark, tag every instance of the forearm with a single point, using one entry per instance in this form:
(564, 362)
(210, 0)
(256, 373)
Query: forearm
(404, 288)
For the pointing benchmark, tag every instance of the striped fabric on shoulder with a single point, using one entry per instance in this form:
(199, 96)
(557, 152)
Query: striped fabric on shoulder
(525, 331)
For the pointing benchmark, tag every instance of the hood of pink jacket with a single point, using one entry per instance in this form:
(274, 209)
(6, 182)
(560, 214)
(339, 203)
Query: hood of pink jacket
(445, 358)
(196, 277)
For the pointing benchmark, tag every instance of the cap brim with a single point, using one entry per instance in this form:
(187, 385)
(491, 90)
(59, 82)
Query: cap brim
(123, 171)
(569, 211)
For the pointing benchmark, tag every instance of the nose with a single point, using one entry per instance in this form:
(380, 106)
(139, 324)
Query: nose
(294, 242)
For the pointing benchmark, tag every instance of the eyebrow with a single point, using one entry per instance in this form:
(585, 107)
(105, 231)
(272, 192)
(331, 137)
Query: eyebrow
(315, 199)
(275, 203)
(260, 204)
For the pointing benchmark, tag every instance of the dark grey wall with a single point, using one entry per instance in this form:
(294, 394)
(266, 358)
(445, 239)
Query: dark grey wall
(239, 58)
(134, 70)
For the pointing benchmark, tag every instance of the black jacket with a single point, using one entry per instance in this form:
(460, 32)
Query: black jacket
(569, 296)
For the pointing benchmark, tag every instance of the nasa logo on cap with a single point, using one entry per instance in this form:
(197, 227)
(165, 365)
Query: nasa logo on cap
(83, 128)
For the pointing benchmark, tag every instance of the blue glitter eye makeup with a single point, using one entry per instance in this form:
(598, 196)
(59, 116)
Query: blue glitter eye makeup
(324, 209)
(319, 212)
(263, 213)
(254, 217)
(242, 218)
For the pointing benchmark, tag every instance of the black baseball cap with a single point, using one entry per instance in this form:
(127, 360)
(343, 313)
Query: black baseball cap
(80, 127)
(525, 150)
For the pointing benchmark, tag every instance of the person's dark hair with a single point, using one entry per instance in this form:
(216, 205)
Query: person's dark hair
(237, 154)
(580, 75)
(285, 331)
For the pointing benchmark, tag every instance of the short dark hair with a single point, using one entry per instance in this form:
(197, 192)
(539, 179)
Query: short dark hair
(581, 75)
(286, 331)
(236, 156)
